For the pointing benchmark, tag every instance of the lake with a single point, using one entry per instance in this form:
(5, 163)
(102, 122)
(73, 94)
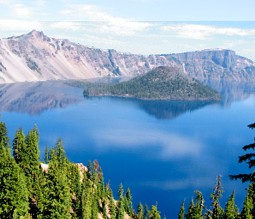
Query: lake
(161, 150)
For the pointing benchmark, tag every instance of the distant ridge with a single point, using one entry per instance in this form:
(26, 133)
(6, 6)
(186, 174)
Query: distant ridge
(37, 57)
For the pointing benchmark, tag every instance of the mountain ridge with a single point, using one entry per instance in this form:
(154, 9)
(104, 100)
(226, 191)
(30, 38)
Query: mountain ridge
(37, 57)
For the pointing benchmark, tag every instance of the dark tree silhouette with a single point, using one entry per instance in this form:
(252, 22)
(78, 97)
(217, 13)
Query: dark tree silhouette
(248, 158)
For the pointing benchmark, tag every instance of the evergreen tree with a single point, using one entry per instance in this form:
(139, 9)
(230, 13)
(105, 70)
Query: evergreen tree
(128, 204)
(4, 135)
(120, 191)
(217, 210)
(147, 212)
(13, 191)
(231, 210)
(95, 208)
(112, 207)
(181, 214)
(58, 197)
(248, 158)
(19, 149)
(190, 214)
(196, 209)
(46, 155)
(76, 190)
(120, 209)
(87, 197)
(140, 211)
(154, 213)
(248, 205)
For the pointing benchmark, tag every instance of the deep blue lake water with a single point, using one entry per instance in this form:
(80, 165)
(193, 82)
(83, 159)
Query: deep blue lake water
(161, 150)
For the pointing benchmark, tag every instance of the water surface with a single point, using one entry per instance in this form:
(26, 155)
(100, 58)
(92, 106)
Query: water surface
(162, 150)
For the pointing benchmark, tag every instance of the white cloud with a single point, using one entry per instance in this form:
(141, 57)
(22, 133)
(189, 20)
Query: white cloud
(194, 31)
(19, 25)
(108, 23)
(21, 10)
(66, 25)
(168, 144)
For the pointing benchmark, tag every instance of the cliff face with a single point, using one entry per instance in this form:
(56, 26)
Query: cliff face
(209, 65)
(36, 57)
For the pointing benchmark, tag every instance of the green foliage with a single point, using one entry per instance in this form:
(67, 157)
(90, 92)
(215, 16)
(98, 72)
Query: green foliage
(140, 211)
(160, 83)
(58, 196)
(4, 135)
(231, 210)
(248, 205)
(128, 203)
(154, 213)
(112, 208)
(181, 214)
(13, 190)
(217, 210)
(120, 209)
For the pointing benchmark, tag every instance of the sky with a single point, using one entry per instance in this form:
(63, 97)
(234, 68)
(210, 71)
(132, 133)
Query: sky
(137, 26)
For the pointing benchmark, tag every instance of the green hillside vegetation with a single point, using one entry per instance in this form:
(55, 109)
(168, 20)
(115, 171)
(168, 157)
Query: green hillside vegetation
(161, 83)
(65, 190)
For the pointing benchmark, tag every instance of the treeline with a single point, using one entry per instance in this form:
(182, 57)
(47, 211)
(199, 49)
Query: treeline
(161, 83)
(60, 189)
(57, 188)
(197, 208)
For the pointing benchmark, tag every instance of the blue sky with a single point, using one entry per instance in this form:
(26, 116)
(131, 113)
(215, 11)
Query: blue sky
(137, 26)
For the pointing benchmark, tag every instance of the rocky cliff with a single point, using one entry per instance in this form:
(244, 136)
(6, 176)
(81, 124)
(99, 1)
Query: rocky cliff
(37, 57)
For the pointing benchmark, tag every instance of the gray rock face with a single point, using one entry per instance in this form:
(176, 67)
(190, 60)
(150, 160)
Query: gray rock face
(37, 57)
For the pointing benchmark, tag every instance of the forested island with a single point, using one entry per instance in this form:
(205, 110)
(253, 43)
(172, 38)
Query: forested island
(161, 83)
(57, 188)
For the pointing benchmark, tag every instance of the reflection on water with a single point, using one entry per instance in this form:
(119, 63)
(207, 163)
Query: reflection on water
(171, 109)
(138, 142)
(231, 92)
(34, 98)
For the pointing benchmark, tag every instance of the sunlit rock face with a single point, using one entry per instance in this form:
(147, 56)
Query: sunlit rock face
(37, 57)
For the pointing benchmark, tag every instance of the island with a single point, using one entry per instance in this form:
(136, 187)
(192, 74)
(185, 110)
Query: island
(161, 83)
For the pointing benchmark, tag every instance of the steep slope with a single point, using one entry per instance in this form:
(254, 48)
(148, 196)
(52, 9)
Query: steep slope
(207, 65)
(37, 57)
(163, 83)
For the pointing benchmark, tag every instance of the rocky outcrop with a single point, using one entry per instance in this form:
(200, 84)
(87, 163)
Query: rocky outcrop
(37, 57)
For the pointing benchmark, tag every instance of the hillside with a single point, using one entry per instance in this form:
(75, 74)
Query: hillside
(37, 57)
(162, 83)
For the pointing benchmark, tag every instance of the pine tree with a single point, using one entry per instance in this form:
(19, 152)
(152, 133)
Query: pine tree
(217, 210)
(4, 135)
(19, 149)
(13, 191)
(129, 204)
(120, 191)
(249, 159)
(154, 213)
(46, 155)
(87, 197)
(120, 209)
(181, 214)
(76, 190)
(231, 210)
(58, 196)
(140, 211)
(248, 205)
(112, 207)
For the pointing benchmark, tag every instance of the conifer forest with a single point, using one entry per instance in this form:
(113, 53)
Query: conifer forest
(56, 188)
